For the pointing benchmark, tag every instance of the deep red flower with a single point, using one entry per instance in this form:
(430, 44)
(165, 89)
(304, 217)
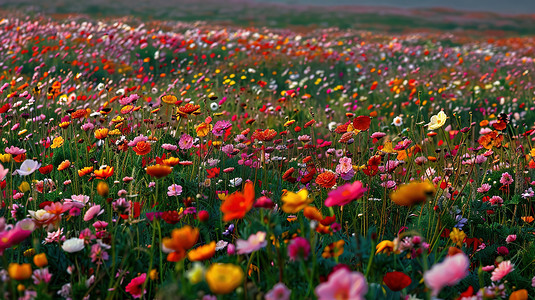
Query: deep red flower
(396, 281)
(46, 169)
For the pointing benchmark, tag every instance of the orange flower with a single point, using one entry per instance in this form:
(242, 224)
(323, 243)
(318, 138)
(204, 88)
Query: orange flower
(266, 135)
(312, 213)
(171, 161)
(189, 109)
(64, 165)
(19, 271)
(64, 124)
(202, 253)
(326, 179)
(79, 114)
(20, 158)
(527, 219)
(237, 204)
(169, 99)
(85, 171)
(104, 173)
(203, 129)
(142, 148)
(180, 241)
(158, 170)
(101, 133)
(334, 250)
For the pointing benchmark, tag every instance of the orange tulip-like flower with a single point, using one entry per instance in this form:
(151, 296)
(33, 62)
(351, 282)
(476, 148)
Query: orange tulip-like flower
(413, 193)
(202, 253)
(180, 241)
(519, 295)
(64, 165)
(40, 260)
(326, 179)
(104, 173)
(237, 204)
(158, 170)
(101, 133)
(19, 271)
(85, 171)
(171, 161)
(142, 148)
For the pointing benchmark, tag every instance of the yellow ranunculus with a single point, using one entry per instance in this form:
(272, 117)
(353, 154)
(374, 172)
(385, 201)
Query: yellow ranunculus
(295, 202)
(58, 142)
(5, 157)
(457, 236)
(224, 278)
(437, 121)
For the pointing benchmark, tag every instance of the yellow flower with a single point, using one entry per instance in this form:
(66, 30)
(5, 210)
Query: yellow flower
(224, 278)
(295, 202)
(103, 189)
(195, 274)
(203, 129)
(24, 187)
(457, 236)
(57, 142)
(437, 121)
(153, 274)
(384, 246)
(413, 193)
(532, 152)
(5, 157)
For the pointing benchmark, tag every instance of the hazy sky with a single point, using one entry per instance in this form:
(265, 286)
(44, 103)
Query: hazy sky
(503, 6)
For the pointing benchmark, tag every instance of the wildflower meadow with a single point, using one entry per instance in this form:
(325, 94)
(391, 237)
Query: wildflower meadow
(163, 159)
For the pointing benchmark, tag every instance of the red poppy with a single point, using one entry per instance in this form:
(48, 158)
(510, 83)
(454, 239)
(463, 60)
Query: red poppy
(213, 172)
(362, 123)
(5, 108)
(396, 281)
(500, 125)
(46, 169)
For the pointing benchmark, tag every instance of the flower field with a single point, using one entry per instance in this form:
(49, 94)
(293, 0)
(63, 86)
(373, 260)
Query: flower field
(171, 160)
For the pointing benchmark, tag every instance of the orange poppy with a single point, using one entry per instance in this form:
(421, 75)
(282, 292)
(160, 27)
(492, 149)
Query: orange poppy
(312, 213)
(237, 204)
(158, 170)
(101, 133)
(203, 252)
(180, 241)
(19, 158)
(171, 161)
(142, 148)
(104, 172)
(326, 179)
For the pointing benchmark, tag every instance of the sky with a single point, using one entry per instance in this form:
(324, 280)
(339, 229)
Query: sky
(499, 6)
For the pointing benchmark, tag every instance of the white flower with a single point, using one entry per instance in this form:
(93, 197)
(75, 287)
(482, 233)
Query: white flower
(28, 167)
(73, 245)
(398, 121)
(236, 181)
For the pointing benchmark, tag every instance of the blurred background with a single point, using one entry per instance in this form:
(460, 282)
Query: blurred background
(495, 16)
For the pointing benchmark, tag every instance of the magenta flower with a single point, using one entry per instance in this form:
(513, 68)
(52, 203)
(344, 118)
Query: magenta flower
(12, 237)
(504, 268)
(298, 248)
(136, 285)
(254, 242)
(506, 179)
(279, 292)
(343, 284)
(447, 273)
(345, 194)
(220, 127)
(186, 142)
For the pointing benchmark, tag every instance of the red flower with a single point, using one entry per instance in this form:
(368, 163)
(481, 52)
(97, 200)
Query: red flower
(213, 172)
(396, 281)
(362, 123)
(46, 169)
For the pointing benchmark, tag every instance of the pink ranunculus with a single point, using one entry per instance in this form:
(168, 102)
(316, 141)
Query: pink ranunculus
(279, 292)
(174, 190)
(169, 147)
(447, 273)
(504, 268)
(253, 243)
(343, 284)
(92, 212)
(510, 238)
(345, 194)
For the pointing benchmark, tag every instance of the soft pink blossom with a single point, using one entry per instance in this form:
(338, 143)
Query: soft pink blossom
(253, 243)
(510, 238)
(92, 212)
(343, 284)
(447, 273)
(504, 268)
(279, 292)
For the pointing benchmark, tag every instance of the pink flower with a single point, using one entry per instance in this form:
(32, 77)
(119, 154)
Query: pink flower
(278, 292)
(174, 190)
(298, 248)
(14, 150)
(186, 142)
(3, 172)
(169, 147)
(506, 179)
(253, 243)
(98, 255)
(345, 194)
(92, 212)
(496, 200)
(344, 165)
(100, 225)
(510, 238)
(447, 273)
(485, 187)
(135, 286)
(504, 268)
(488, 268)
(41, 275)
(343, 284)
